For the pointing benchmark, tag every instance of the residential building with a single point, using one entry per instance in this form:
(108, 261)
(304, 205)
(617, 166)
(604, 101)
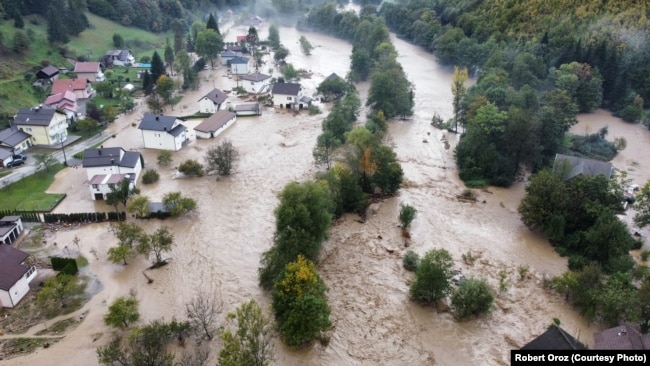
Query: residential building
(81, 87)
(256, 82)
(101, 184)
(47, 126)
(554, 338)
(47, 74)
(15, 275)
(212, 102)
(215, 124)
(239, 65)
(289, 96)
(572, 166)
(228, 55)
(163, 132)
(15, 140)
(111, 160)
(65, 103)
(10, 229)
(622, 337)
(118, 58)
(90, 71)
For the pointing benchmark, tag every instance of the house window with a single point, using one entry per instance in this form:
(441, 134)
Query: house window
(30, 271)
(95, 186)
(288, 98)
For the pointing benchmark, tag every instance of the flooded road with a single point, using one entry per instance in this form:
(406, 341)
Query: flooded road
(218, 247)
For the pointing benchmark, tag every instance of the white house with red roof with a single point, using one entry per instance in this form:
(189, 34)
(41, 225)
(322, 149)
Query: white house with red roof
(81, 87)
(65, 103)
(91, 71)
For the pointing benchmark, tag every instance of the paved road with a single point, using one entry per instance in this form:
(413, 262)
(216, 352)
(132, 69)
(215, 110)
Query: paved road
(30, 168)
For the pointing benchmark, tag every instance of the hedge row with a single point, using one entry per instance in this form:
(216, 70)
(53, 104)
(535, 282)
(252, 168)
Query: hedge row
(64, 265)
(84, 217)
(25, 216)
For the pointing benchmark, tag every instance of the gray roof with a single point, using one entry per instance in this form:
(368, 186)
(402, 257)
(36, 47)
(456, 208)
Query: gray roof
(622, 337)
(555, 338)
(247, 107)
(13, 136)
(34, 116)
(47, 71)
(5, 153)
(230, 53)
(255, 77)
(11, 269)
(286, 88)
(333, 76)
(110, 156)
(215, 121)
(216, 96)
(579, 166)
(155, 122)
(177, 130)
(239, 60)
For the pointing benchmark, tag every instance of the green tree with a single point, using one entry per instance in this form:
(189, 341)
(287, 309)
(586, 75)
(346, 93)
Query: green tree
(289, 72)
(305, 45)
(642, 206)
(546, 198)
(57, 28)
(212, 24)
(165, 88)
(120, 193)
(120, 253)
(274, 37)
(223, 158)
(619, 301)
(472, 297)
(164, 157)
(300, 303)
(169, 55)
(280, 54)
(45, 160)
(177, 204)
(118, 41)
(139, 206)
(389, 174)
(122, 312)
(432, 277)
(459, 91)
(208, 45)
(326, 144)
(57, 292)
(191, 167)
(333, 87)
(406, 215)
(160, 241)
(157, 67)
(146, 345)
(155, 103)
(21, 42)
(249, 339)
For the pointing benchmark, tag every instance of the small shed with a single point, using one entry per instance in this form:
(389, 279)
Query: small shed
(248, 109)
(215, 124)
(10, 229)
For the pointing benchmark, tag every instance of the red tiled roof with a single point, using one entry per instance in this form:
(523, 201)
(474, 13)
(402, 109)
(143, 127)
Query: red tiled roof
(61, 85)
(86, 67)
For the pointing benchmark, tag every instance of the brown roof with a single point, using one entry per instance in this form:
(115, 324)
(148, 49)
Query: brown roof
(622, 337)
(86, 67)
(11, 269)
(61, 85)
(215, 121)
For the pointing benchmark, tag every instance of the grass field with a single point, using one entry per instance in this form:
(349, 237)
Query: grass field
(29, 193)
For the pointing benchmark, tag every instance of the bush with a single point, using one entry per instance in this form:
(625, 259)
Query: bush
(411, 261)
(150, 176)
(64, 265)
(313, 110)
(644, 255)
(406, 216)
(164, 158)
(472, 297)
(191, 167)
(577, 262)
(432, 277)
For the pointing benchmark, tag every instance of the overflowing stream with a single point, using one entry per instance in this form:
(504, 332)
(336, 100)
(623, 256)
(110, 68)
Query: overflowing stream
(218, 247)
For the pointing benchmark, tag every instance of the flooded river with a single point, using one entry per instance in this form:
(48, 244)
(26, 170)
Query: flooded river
(218, 247)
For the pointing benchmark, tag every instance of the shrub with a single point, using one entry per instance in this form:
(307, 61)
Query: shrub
(577, 262)
(164, 158)
(150, 176)
(469, 258)
(191, 167)
(314, 110)
(472, 297)
(432, 277)
(411, 261)
(64, 265)
(644, 255)
(406, 215)
(79, 155)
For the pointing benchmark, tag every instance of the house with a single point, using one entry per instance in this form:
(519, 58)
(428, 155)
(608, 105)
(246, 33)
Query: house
(65, 103)
(118, 58)
(15, 276)
(100, 185)
(47, 74)
(622, 337)
(256, 83)
(10, 229)
(555, 338)
(15, 140)
(81, 87)
(242, 39)
(235, 48)
(215, 124)
(163, 132)
(228, 55)
(91, 71)
(6, 156)
(111, 160)
(248, 109)
(239, 65)
(212, 101)
(572, 166)
(288, 95)
(47, 126)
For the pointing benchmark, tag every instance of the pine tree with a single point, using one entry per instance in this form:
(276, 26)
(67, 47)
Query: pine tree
(56, 25)
(157, 67)
(212, 24)
(147, 83)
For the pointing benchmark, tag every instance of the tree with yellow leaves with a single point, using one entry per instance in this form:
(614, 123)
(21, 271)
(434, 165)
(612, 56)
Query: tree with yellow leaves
(459, 90)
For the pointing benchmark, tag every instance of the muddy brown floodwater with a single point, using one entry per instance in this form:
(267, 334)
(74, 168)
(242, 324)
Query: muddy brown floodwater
(218, 247)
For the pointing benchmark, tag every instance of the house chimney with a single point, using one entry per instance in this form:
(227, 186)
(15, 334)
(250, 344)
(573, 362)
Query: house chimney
(165, 128)
(157, 118)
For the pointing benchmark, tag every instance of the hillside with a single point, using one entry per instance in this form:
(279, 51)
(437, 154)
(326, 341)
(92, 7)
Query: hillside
(15, 67)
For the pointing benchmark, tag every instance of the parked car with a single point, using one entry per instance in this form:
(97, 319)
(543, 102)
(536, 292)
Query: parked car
(15, 163)
(22, 156)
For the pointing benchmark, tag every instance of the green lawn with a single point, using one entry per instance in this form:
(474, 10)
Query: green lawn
(29, 193)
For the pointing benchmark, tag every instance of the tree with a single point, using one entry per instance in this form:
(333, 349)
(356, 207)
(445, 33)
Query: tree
(472, 297)
(87, 125)
(212, 24)
(120, 193)
(302, 220)
(139, 206)
(222, 157)
(145, 346)
(406, 215)
(118, 41)
(305, 46)
(123, 312)
(169, 55)
(280, 54)
(333, 87)
(57, 292)
(160, 241)
(203, 311)
(642, 206)
(45, 160)
(546, 198)
(249, 341)
(432, 277)
(459, 91)
(128, 235)
(274, 37)
(177, 204)
(299, 302)
(57, 29)
(208, 45)
(157, 67)
(164, 157)
(191, 167)
(326, 144)
(150, 176)
(289, 72)
(147, 83)
(155, 103)
(165, 88)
